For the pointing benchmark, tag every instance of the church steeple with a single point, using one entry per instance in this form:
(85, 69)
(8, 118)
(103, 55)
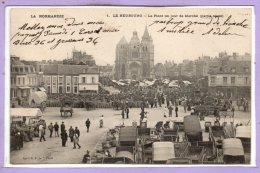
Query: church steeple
(146, 34)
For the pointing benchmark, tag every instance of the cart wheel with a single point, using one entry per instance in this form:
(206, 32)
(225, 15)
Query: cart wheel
(203, 158)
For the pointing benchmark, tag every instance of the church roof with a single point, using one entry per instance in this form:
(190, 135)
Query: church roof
(123, 41)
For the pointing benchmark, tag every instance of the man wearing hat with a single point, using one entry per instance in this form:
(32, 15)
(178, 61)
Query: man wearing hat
(62, 126)
(64, 137)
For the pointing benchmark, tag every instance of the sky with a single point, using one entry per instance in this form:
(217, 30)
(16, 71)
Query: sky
(167, 45)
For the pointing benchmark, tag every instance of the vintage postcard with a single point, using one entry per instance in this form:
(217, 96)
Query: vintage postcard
(139, 86)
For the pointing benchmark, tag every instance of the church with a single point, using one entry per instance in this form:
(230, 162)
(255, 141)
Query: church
(135, 59)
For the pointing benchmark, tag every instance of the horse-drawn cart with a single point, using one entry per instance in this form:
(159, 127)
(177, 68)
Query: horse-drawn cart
(66, 107)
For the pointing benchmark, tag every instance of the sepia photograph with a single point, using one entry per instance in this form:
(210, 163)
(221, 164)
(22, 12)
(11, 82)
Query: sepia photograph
(130, 86)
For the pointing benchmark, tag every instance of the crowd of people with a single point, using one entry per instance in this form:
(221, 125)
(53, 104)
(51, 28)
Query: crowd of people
(171, 100)
(20, 133)
(150, 96)
(60, 131)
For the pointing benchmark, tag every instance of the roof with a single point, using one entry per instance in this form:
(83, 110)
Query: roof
(25, 112)
(191, 124)
(123, 41)
(233, 147)
(62, 69)
(243, 132)
(162, 151)
(226, 67)
(128, 134)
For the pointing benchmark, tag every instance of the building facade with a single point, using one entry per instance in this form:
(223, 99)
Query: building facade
(232, 78)
(23, 79)
(135, 60)
(60, 78)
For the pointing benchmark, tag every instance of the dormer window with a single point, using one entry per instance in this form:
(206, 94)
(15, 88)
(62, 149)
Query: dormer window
(233, 69)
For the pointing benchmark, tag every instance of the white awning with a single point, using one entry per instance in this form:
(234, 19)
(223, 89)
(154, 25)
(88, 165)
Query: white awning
(25, 112)
(42, 89)
(162, 151)
(243, 132)
(187, 82)
(26, 87)
(174, 83)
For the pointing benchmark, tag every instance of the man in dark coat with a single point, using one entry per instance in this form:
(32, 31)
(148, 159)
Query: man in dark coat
(176, 111)
(88, 124)
(64, 137)
(62, 127)
(50, 127)
(127, 112)
(19, 140)
(56, 129)
(71, 133)
(170, 111)
(77, 131)
(123, 113)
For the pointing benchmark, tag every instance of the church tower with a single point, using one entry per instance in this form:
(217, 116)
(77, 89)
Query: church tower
(121, 59)
(147, 53)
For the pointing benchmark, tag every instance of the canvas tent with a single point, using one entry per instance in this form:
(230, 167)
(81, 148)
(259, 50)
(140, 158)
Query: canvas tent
(38, 97)
(25, 112)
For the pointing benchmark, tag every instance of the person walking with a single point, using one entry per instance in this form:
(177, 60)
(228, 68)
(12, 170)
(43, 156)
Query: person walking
(77, 131)
(62, 127)
(88, 124)
(56, 129)
(170, 111)
(71, 133)
(50, 127)
(167, 101)
(176, 111)
(155, 102)
(185, 105)
(123, 113)
(42, 133)
(101, 121)
(18, 140)
(127, 112)
(76, 141)
(64, 137)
